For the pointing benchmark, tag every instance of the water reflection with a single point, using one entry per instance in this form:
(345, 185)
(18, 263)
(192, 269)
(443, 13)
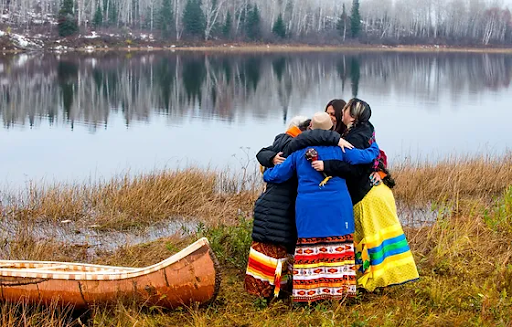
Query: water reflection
(90, 237)
(89, 88)
(89, 117)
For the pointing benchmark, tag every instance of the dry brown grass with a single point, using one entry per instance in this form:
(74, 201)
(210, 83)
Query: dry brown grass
(132, 201)
(454, 179)
(465, 280)
(465, 270)
(273, 48)
(217, 197)
(16, 315)
(464, 258)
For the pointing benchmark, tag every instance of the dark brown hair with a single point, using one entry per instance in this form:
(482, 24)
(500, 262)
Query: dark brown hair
(337, 105)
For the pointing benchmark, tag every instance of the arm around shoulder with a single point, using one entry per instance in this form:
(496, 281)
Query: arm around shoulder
(310, 138)
(358, 156)
(282, 172)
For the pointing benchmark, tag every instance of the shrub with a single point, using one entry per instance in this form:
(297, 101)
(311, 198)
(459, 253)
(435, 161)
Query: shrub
(231, 243)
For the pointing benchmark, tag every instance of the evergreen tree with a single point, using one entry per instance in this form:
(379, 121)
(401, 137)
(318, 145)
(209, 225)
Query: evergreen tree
(194, 21)
(279, 29)
(243, 16)
(67, 23)
(342, 23)
(136, 10)
(226, 28)
(112, 14)
(166, 17)
(355, 19)
(252, 24)
(98, 17)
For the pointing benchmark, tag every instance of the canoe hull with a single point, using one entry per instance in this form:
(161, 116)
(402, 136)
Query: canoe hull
(193, 278)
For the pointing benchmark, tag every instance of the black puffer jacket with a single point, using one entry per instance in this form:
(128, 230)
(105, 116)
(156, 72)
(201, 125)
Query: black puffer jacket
(356, 176)
(274, 211)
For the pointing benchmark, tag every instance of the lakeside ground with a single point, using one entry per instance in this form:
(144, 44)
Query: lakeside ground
(464, 256)
(16, 43)
(249, 48)
(340, 48)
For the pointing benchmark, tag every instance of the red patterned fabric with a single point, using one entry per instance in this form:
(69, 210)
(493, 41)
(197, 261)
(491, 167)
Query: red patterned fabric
(268, 270)
(324, 268)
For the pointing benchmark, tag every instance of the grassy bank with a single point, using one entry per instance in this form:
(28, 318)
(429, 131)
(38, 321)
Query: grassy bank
(214, 197)
(464, 257)
(125, 202)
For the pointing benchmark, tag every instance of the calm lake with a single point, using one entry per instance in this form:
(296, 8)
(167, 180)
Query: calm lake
(87, 117)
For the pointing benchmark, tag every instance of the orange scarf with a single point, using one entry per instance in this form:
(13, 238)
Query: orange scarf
(293, 131)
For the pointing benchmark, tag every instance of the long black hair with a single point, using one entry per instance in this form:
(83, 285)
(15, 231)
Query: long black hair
(337, 105)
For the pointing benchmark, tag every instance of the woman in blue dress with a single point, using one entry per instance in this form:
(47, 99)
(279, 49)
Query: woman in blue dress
(324, 260)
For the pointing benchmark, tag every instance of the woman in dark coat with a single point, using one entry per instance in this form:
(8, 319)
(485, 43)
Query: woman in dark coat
(274, 234)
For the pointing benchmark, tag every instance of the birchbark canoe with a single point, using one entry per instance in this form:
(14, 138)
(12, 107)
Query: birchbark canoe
(187, 277)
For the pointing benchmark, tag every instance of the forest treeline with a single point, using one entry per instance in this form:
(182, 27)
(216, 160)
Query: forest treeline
(436, 22)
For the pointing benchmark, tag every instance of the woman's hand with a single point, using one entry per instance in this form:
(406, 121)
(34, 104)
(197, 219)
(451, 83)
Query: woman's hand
(344, 144)
(278, 159)
(375, 178)
(318, 165)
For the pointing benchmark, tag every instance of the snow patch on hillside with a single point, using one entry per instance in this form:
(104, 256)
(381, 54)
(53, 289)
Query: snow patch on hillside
(92, 36)
(25, 43)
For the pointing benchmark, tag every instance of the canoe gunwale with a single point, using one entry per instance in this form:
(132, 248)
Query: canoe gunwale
(187, 277)
(103, 272)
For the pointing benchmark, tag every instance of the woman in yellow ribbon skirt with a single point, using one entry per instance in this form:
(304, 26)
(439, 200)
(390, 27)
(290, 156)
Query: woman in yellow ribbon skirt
(383, 257)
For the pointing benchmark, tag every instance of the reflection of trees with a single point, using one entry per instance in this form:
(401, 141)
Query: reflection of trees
(193, 75)
(251, 71)
(430, 76)
(279, 66)
(284, 85)
(67, 77)
(355, 75)
(341, 68)
(349, 67)
(164, 78)
(88, 89)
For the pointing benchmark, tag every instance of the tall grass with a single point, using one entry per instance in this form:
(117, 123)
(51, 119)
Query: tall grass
(464, 256)
(454, 178)
(141, 200)
(20, 314)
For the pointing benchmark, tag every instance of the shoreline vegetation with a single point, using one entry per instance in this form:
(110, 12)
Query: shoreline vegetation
(464, 256)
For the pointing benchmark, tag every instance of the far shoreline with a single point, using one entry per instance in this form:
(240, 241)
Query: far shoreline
(268, 48)
(342, 48)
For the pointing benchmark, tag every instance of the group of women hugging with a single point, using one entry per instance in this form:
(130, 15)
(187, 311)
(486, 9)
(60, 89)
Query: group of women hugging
(327, 223)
